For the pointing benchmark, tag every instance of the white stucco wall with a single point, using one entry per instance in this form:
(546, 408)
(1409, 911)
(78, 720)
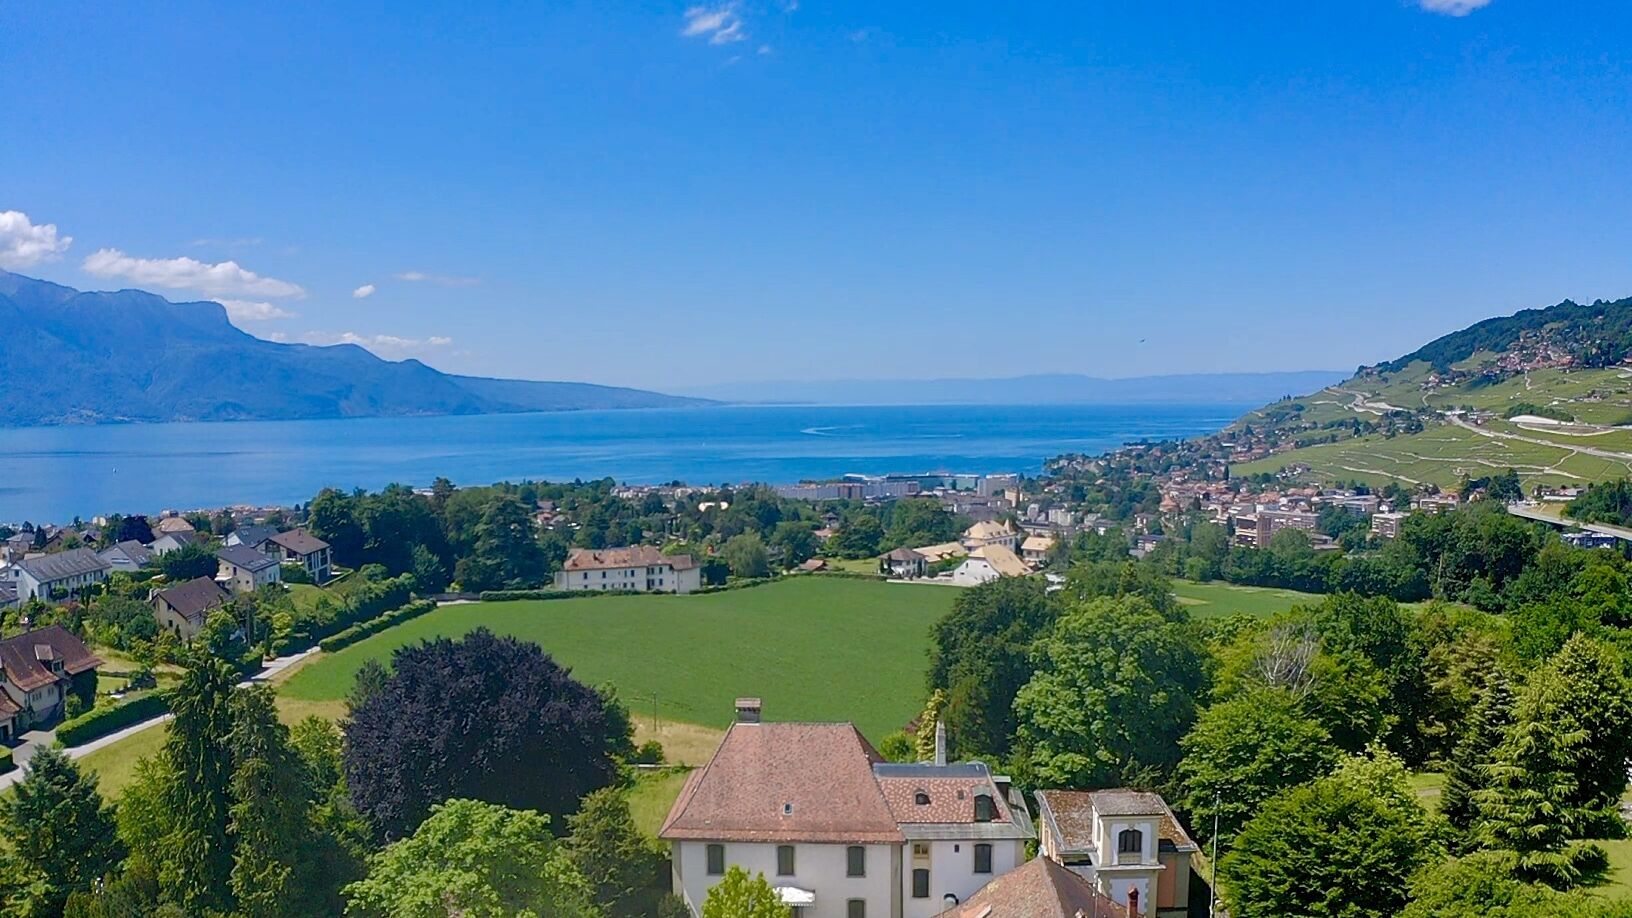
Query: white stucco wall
(952, 870)
(819, 868)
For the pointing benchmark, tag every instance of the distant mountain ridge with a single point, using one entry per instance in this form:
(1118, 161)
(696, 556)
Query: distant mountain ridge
(73, 357)
(1038, 389)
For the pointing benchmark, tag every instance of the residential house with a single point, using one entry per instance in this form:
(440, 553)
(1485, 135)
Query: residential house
(172, 524)
(8, 591)
(251, 537)
(245, 570)
(298, 546)
(903, 563)
(182, 609)
(839, 832)
(987, 563)
(172, 541)
(638, 568)
(1041, 889)
(17, 547)
(988, 532)
(1127, 843)
(37, 671)
(67, 573)
(128, 556)
(1034, 550)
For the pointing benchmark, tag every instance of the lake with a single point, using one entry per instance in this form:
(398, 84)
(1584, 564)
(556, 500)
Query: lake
(55, 473)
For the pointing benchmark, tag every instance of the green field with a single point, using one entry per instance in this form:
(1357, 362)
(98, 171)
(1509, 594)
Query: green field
(813, 648)
(1209, 600)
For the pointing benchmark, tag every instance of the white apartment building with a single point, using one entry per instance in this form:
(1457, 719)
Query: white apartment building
(836, 830)
(63, 574)
(638, 568)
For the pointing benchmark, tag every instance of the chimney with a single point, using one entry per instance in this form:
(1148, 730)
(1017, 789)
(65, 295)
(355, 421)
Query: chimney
(1133, 902)
(940, 743)
(748, 710)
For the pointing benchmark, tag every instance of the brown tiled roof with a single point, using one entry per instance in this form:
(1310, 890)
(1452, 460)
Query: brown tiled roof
(903, 554)
(193, 599)
(8, 708)
(951, 800)
(21, 656)
(1073, 814)
(1040, 889)
(785, 783)
(587, 559)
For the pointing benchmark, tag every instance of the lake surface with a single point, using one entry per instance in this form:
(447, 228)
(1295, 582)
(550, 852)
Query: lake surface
(55, 473)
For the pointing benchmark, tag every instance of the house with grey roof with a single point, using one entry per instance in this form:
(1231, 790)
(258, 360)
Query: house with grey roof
(183, 609)
(127, 556)
(66, 573)
(172, 541)
(297, 546)
(838, 831)
(252, 536)
(245, 570)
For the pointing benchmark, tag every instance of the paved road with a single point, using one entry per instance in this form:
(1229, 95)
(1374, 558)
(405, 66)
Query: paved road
(1571, 447)
(38, 739)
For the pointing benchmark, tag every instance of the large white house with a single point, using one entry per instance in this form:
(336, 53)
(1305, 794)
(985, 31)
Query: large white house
(62, 574)
(988, 532)
(638, 568)
(1120, 840)
(839, 832)
(987, 563)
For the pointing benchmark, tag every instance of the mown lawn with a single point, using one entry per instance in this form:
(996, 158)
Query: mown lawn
(115, 764)
(814, 648)
(652, 796)
(1209, 600)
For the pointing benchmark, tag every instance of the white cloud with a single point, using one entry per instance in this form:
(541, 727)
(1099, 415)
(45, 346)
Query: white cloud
(441, 280)
(721, 24)
(24, 243)
(363, 292)
(225, 278)
(764, 49)
(251, 311)
(391, 347)
(1453, 7)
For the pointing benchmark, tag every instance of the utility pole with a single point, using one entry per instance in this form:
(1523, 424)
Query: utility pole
(1212, 888)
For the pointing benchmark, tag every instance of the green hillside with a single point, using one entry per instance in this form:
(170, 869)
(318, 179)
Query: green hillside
(1545, 392)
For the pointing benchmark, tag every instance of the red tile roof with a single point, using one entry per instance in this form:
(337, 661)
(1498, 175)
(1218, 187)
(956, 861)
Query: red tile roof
(27, 657)
(1040, 889)
(951, 800)
(585, 559)
(786, 783)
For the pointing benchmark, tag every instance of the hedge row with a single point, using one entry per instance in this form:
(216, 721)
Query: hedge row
(512, 595)
(6, 764)
(364, 602)
(375, 625)
(850, 575)
(99, 722)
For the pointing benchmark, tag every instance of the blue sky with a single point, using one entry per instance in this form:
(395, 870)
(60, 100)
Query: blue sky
(668, 195)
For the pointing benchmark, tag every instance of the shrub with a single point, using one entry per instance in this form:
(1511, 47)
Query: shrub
(6, 764)
(375, 625)
(99, 722)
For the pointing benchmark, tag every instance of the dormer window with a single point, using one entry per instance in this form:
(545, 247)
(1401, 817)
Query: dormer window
(921, 798)
(985, 810)
(787, 809)
(1130, 841)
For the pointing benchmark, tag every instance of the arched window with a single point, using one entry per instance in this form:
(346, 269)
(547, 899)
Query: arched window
(985, 810)
(921, 798)
(1130, 841)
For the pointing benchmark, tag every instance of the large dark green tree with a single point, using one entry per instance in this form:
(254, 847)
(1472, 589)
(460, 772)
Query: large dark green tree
(273, 841)
(980, 657)
(197, 851)
(507, 554)
(1244, 751)
(627, 873)
(1467, 772)
(483, 717)
(1116, 687)
(59, 833)
(1343, 846)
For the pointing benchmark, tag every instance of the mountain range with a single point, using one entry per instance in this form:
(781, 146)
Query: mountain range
(1038, 389)
(73, 357)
